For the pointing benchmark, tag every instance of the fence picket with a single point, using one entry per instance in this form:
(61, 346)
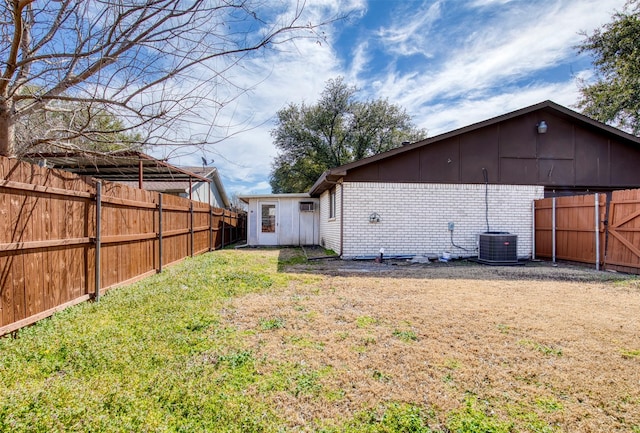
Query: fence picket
(623, 250)
(584, 234)
(50, 250)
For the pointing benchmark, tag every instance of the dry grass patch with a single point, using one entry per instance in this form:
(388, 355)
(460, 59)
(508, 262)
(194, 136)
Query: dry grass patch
(535, 349)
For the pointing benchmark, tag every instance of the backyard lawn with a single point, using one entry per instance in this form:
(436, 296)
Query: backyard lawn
(264, 341)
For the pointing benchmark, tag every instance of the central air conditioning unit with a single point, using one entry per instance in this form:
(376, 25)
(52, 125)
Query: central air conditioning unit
(498, 248)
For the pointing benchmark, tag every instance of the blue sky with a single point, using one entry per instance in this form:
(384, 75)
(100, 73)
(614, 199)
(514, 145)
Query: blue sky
(449, 63)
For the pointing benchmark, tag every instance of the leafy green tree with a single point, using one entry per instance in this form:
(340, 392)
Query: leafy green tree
(338, 129)
(615, 95)
(102, 131)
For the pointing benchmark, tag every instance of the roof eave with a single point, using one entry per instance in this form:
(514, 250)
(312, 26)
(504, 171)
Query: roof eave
(329, 177)
(327, 180)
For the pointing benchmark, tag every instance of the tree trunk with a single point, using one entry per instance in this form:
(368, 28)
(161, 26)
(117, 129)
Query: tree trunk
(7, 131)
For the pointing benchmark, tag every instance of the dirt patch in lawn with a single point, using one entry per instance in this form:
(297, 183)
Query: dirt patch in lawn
(543, 347)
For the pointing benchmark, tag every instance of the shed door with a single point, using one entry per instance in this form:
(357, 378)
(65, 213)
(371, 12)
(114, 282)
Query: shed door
(307, 228)
(268, 229)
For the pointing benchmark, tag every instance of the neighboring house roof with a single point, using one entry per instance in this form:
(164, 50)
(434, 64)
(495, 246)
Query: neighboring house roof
(205, 174)
(213, 174)
(329, 177)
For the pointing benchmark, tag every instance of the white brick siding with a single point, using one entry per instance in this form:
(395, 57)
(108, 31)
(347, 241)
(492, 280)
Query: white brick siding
(330, 227)
(414, 217)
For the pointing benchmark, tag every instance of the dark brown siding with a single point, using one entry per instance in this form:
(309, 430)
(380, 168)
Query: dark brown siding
(592, 158)
(405, 167)
(571, 156)
(557, 143)
(440, 162)
(625, 165)
(516, 142)
(478, 151)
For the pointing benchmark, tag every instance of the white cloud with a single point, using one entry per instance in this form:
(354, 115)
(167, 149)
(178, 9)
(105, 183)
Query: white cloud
(290, 73)
(409, 34)
(471, 70)
(485, 3)
(448, 116)
(528, 40)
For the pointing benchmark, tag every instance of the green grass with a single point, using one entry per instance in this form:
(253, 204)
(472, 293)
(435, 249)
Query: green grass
(473, 417)
(630, 354)
(406, 336)
(366, 321)
(542, 348)
(271, 323)
(394, 417)
(148, 357)
(156, 356)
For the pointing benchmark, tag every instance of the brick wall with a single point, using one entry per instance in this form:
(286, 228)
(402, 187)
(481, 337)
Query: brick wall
(414, 217)
(330, 227)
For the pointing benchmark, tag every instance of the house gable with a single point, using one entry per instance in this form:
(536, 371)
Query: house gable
(576, 153)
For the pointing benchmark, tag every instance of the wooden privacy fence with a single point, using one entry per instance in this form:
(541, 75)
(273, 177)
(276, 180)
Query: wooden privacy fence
(590, 229)
(63, 235)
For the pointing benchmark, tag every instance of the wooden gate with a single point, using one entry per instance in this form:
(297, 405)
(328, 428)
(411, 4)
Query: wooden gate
(575, 229)
(623, 244)
(571, 228)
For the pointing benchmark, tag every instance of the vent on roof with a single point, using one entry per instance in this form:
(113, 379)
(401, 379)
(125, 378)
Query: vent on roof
(307, 206)
(497, 248)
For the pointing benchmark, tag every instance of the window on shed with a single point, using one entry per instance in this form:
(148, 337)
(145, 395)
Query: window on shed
(306, 206)
(332, 203)
(268, 218)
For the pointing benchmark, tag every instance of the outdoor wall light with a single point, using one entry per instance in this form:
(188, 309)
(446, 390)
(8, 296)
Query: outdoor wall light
(542, 127)
(374, 218)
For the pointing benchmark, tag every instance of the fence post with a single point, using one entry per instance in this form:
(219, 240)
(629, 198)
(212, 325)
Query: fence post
(597, 220)
(211, 228)
(553, 229)
(533, 230)
(223, 228)
(191, 225)
(98, 230)
(159, 232)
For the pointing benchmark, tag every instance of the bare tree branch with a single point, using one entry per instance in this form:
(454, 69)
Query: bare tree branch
(151, 64)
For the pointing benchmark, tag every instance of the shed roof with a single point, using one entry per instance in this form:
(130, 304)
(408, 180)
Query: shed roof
(329, 177)
(246, 198)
